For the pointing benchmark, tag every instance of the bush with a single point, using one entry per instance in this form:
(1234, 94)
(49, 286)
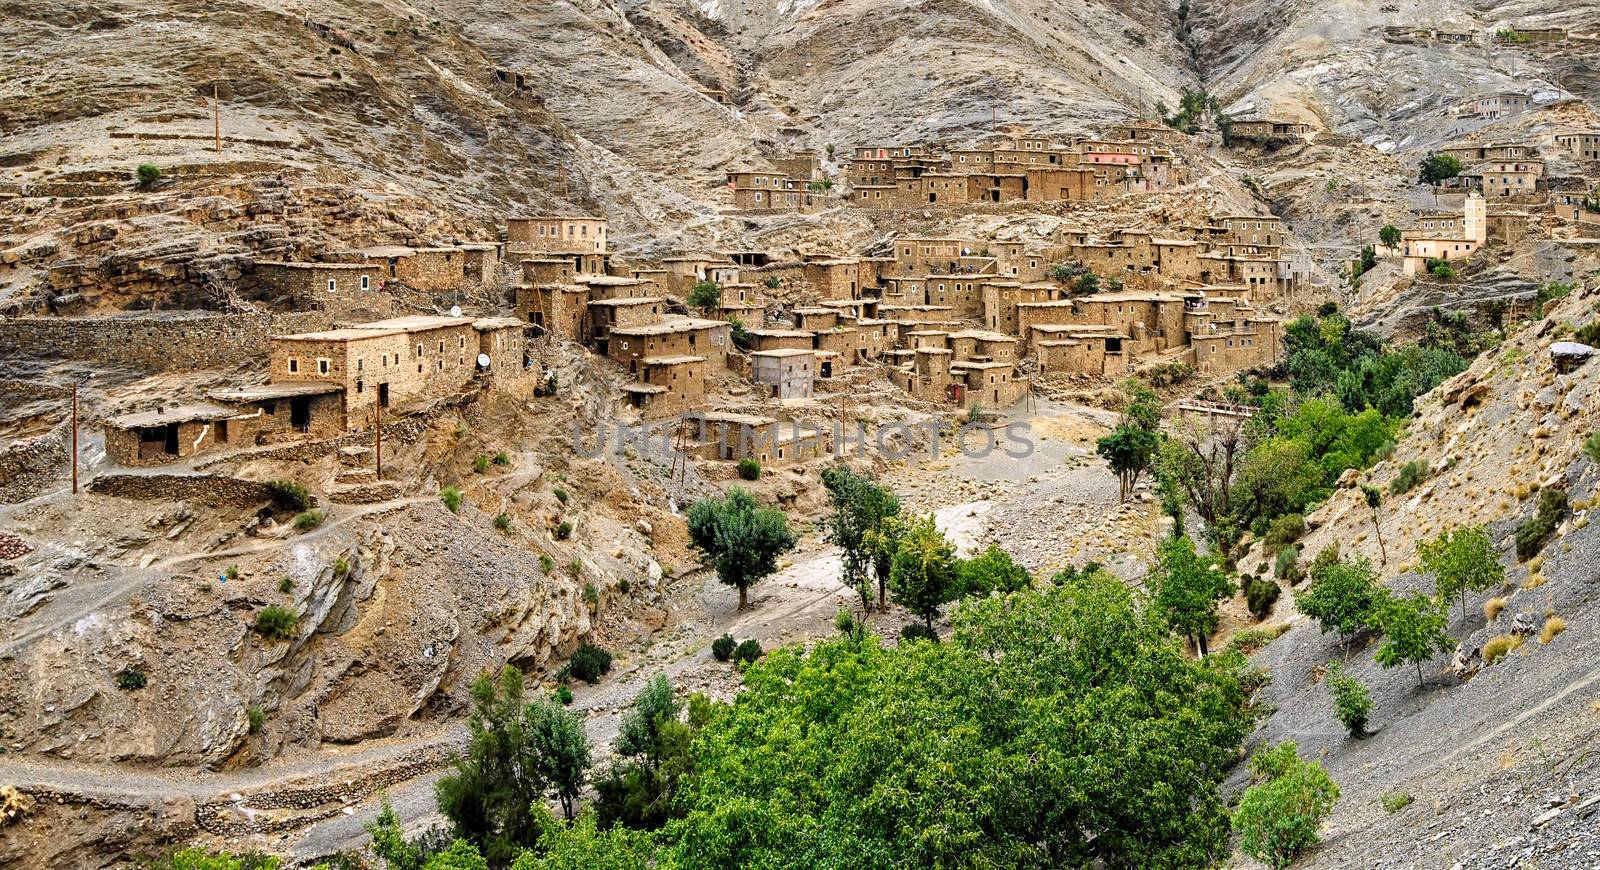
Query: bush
(1252, 639)
(749, 469)
(305, 521)
(1285, 530)
(575, 567)
(918, 631)
(231, 572)
(546, 564)
(148, 174)
(1497, 647)
(502, 522)
(1411, 474)
(563, 531)
(256, 717)
(1395, 801)
(1553, 625)
(131, 678)
(480, 464)
(560, 494)
(1351, 701)
(1287, 565)
(286, 584)
(1278, 817)
(341, 567)
(1591, 446)
(502, 458)
(452, 498)
(1535, 530)
(591, 595)
(1260, 594)
(590, 663)
(274, 622)
(563, 696)
(288, 495)
(624, 586)
(722, 648)
(747, 651)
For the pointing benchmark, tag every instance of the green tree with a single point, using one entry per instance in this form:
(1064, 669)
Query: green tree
(1202, 461)
(860, 508)
(1185, 589)
(1461, 561)
(742, 539)
(1374, 499)
(197, 858)
(653, 746)
(462, 855)
(1414, 630)
(1389, 235)
(1088, 283)
(584, 845)
(1438, 167)
(1341, 596)
(705, 295)
(519, 752)
(1351, 701)
(1131, 447)
(1278, 816)
(922, 576)
(993, 570)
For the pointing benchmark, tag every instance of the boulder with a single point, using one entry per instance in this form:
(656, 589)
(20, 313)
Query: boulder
(1524, 624)
(1466, 662)
(1568, 355)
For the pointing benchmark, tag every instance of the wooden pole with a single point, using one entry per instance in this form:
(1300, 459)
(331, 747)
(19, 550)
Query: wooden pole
(75, 438)
(216, 117)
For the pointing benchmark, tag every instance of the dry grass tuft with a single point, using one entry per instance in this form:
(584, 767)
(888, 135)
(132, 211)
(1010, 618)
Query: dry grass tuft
(1534, 581)
(1499, 646)
(1552, 627)
(1492, 608)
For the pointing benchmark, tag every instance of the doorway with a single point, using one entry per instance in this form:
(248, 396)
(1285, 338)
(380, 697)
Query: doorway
(300, 414)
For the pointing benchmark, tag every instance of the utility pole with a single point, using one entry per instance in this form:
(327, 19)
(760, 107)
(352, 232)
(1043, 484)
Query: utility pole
(378, 452)
(75, 385)
(216, 117)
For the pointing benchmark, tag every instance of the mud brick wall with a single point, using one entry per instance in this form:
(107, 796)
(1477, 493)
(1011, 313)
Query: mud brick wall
(156, 342)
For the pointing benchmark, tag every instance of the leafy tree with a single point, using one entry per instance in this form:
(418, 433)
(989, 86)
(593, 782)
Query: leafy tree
(860, 507)
(1342, 595)
(462, 855)
(705, 295)
(1088, 283)
(390, 846)
(1065, 272)
(1351, 701)
(1389, 236)
(197, 858)
(1185, 589)
(653, 746)
(742, 540)
(1414, 630)
(993, 570)
(584, 845)
(1438, 167)
(741, 336)
(923, 575)
(1131, 447)
(519, 752)
(1535, 530)
(148, 174)
(1201, 461)
(1056, 728)
(1278, 817)
(1461, 561)
(1374, 499)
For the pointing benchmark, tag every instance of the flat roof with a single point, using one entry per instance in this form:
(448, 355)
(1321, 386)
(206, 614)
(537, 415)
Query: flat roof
(282, 265)
(286, 390)
(983, 335)
(779, 333)
(643, 388)
(610, 280)
(174, 414)
(673, 360)
(783, 351)
(731, 417)
(546, 217)
(392, 326)
(615, 303)
(484, 324)
(687, 324)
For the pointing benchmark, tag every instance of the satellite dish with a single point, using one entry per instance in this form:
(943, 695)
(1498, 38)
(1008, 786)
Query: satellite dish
(455, 311)
(483, 360)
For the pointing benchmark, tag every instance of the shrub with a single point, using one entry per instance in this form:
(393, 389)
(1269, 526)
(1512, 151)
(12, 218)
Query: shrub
(1260, 594)
(575, 567)
(546, 564)
(502, 458)
(722, 648)
(502, 522)
(1285, 530)
(257, 717)
(1591, 445)
(1278, 817)
(1497, 647)
(274, 622)
(1553, 625)
(288, 495)
(1252, 639)
(749, 469)
(563, 531)
(231, 572)
(591, 595)
(131, 678)
(624, 586)
(1286, 566)
(1534, 531)
(1351, 701)
(341, 567)
(286, 584)
(560, 494)
(918, 631)
(1492, 608)
(590, 663)
(305, 521)
(1395, 801)
(480, 464)
(148, 174)
(747, 651)
(452, 498)
(1411, 474)
(772, 282)
(563, 696)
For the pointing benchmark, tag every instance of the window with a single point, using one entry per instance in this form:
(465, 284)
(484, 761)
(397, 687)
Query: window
(294, 365)
(419, 348)
(323, 365)
(332, 285)
(360, 364)
(366, 282)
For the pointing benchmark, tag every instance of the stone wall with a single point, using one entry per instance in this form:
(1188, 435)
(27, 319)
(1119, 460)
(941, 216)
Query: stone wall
(28, 465)
(157, 341)
(208, 489)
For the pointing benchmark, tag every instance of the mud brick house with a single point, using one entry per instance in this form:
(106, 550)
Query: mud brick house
(986, 384)
(1001, 298)
(1584, 145)
(816, 319)
(1080, 349)
(844, 347)
(682, 336)
(786, 373)
(927, 376)
(603, 316)
(1509, 228)
(803, 165)
(1418, 245)
(1497, 105)
(772, 191)
(834, 278)
(728, 436)
(1232, 346)
(615, 287)
(564, 235)
(916, 257)
(980, 345)
(480, 262)
(1042, 184)
(548, 270)
(1250, 229)
(750, 315)
(322, 283)
(780, 339)
(441, 268)
(958, 292)
(1268, 131)
(668, 386)
(557, 309)
(170, 433)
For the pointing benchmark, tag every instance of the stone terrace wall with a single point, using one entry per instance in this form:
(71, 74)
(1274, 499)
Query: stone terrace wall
(27, 466)
(157, 341)
(209, 489)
